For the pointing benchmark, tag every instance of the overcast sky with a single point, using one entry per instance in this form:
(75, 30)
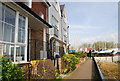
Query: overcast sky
(92, 21)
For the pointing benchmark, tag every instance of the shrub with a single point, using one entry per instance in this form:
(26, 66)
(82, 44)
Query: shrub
(80, 54)
(71, 60)
(10, 72)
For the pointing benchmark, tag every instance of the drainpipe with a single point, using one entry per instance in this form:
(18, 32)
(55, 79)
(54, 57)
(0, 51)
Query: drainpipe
(44, 43)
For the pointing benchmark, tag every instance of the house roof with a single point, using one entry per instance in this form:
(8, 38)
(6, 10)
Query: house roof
(33, 13)
(89, 49)
(62, 7)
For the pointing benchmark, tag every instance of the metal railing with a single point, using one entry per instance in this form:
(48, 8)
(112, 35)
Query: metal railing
(100, 75)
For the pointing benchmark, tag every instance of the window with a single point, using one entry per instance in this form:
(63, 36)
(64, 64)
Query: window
(55, 5)
(9, 51)
(20, 53)
(7, 23)
(54, 22)
(12, 52)
(7, 34)
(57, 47)
(21, 29)
(10, 16)
(1, 11)
(41, 15)
(1, 31)
(7, 31)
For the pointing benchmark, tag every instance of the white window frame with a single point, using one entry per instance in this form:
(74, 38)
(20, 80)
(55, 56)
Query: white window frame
(15, 43)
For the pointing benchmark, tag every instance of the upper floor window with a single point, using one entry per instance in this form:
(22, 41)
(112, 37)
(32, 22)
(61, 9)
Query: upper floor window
(54, 22)
(41, 15)
(55, 5)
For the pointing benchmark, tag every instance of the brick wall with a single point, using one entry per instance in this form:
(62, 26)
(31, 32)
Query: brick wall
(36, 43)
(42, 69)
(39, 69)
(38, 7)
(61, 49)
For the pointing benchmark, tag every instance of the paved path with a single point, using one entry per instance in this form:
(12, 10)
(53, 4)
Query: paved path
(84, 71)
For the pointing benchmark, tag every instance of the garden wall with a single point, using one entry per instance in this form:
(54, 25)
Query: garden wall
(39, 69)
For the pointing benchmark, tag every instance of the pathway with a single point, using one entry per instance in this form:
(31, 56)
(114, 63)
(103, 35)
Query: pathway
(85, 71)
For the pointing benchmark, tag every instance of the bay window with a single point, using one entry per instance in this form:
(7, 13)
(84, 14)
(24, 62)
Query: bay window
(13, 33)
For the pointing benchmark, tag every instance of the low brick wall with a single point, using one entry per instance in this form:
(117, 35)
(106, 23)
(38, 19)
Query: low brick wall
(63, 65)
(42, 69)
(39, 69)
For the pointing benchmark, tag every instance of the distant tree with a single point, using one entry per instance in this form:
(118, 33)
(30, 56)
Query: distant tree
(103, 45)
(84, 45)
(89, 45)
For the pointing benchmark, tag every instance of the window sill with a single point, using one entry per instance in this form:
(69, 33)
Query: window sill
(22, 62)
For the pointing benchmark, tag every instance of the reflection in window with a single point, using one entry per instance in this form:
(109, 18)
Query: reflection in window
(1, 11)
(12, 52)
(7, 32)
(21, 29)
(41, 15)
(20, 53)
(9, 16)
(9, 51)
(1, 30)
(54, 22)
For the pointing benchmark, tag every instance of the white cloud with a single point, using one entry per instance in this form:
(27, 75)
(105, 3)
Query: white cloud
(84, 27)
(109, 36)
(89, 0)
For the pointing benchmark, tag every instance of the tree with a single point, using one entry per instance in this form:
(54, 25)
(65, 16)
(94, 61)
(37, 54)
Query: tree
(103, 45)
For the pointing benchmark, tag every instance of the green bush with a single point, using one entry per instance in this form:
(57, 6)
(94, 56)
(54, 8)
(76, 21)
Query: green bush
(11, 72)
(71, 60)
(80, 54)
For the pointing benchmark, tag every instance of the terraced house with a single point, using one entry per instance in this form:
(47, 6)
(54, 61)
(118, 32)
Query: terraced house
(24, 34)
(33, 30)
(59, 43)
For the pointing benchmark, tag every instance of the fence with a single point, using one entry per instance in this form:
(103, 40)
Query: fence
(107, 59)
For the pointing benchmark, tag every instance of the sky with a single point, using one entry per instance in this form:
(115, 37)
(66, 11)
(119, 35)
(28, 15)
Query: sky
(92, 21)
